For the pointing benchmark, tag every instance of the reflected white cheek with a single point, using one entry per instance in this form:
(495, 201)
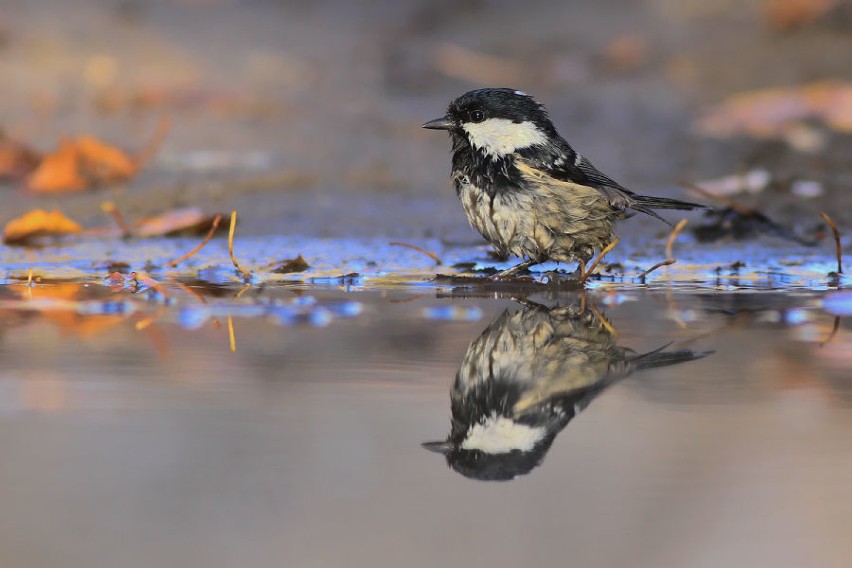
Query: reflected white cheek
(499, 435)
(500, 136)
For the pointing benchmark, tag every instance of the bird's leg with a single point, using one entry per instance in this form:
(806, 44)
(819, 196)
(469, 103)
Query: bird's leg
(584, 275)
(514, 270)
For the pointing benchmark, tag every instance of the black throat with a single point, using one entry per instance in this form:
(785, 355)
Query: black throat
(492, 175)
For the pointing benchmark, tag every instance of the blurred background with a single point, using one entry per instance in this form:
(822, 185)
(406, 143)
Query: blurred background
(305, 115)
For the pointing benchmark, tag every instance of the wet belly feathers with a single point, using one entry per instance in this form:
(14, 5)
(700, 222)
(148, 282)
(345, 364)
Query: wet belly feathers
(540, 224)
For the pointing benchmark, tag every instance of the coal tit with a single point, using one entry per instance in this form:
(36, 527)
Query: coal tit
(525, 189)
(525, 377)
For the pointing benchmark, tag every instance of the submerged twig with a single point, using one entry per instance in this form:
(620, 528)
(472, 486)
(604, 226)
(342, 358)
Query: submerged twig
(602, 319)
(431, 255)
(834, 331)
(110, 208)
(670, 242)
(145, 322)
(838, 248)
(232, 338)
(665, 262)
(246, 273)
(194, 251)
(188, 290)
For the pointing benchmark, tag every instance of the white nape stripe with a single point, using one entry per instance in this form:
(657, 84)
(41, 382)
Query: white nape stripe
(500, 136)
(500, 435)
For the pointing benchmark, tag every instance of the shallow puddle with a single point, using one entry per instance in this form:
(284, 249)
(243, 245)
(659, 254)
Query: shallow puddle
(204, 422)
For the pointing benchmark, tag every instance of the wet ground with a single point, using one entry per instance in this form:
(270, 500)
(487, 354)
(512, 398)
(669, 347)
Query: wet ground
(379, 407)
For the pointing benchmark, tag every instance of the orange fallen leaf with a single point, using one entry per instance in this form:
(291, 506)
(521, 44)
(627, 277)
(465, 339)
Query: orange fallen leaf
(36, 224)
(773, 112)
(16, 159)
(626, 53)
(783, 15)
(87, 162)
(104, 163)
(58, 171)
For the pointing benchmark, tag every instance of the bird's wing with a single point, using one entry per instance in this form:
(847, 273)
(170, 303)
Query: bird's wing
(564, 166)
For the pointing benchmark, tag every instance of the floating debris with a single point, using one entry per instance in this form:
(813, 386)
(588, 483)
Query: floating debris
(291, 265)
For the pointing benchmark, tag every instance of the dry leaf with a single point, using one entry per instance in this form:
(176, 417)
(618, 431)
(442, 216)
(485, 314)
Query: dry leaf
(16, 159)
(87, 162)
(103, 164)
(58, 171)
(36, 224)
(783, 15)
(774, 112)
(626, 53)
(187, 221)
(476, 67)
(80, 164)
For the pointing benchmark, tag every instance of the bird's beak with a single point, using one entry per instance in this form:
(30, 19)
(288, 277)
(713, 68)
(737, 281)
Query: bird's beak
(443, 123)
(438, 447)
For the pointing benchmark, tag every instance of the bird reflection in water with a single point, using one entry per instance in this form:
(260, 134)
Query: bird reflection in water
(525, 377)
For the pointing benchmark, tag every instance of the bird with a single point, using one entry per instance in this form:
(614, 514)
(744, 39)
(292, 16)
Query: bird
(526, 190)
(526, 376)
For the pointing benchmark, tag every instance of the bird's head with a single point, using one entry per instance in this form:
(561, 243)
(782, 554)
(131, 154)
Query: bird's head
(497, 122)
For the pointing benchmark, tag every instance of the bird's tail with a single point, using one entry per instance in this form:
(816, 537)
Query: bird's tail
(662, 358)
(665, 203)
(646, 204)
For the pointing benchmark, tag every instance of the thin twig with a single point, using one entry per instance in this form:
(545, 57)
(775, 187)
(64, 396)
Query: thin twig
(188, 290)
(670, 243)
(666, 262)
(145, 322)
(834, 331)
(837, 246)
(591, 270)
(232, 338)
(110, 208)
(242, 291)
(246, 273)
(431, 255)
(206, 240)
(153, 145)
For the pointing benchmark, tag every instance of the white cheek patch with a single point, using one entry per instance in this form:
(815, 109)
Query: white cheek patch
(500, 136)
(501, 436)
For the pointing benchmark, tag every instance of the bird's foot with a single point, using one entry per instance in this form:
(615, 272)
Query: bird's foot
(584, 274)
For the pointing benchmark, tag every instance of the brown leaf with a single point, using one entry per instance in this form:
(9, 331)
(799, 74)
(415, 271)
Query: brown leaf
(16, 159)
(58, 171)
(102, 164)
(783, 15)
(188, 221)
(298, 264)
(36, 224)
(774, 112)
(626, 53)
(87, 163)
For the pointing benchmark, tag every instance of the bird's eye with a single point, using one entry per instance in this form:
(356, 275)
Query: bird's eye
(477, 116)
